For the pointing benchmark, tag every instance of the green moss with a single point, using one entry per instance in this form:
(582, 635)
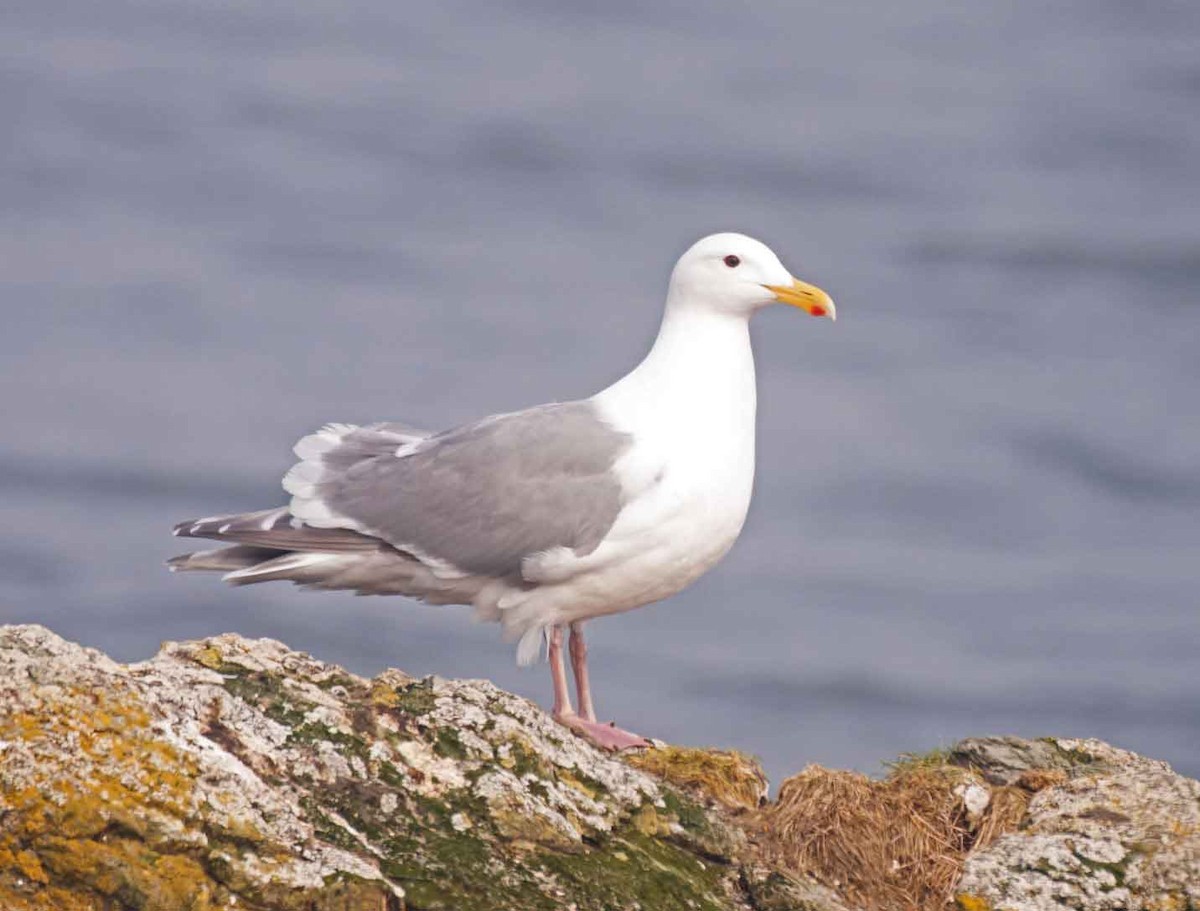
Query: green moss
(327, 829)
(360, 805)
(770, 890)
(1118, 870)
(344, 891)
(416, 698)
(346, 744)
(690, 815)
(1073, 756)
(394, 777)
(440, 868)
(345, 681)
(448, 744)
(699, 835)
(648, 873)
(264, 691)
(435, 815)
(449, 870)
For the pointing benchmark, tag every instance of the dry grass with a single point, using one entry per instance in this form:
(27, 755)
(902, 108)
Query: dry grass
(891, 844)
(728, 777)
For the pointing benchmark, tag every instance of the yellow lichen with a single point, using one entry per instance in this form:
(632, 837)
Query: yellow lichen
(97, 817)
(570, 780)
(1173, 901)
(967, 902)
(121, 868)
(383, 695)
(383, 692)
(518, 825)
(25, 864)
(209, 657)
(647, 821)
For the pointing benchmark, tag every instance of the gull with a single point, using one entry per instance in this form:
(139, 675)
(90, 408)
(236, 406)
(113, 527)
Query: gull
(544, 518)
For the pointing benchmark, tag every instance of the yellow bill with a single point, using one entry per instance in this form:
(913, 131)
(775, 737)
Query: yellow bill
(805, 296)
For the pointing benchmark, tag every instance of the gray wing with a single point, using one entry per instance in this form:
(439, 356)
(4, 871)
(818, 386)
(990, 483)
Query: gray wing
(478, 499)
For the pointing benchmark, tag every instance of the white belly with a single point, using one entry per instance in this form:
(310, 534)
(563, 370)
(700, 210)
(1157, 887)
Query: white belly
(657, 547)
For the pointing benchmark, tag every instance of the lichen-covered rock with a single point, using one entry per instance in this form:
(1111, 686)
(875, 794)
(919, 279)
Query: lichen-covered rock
(1015, 760)
(233, 773)
(771, 890)
(239, 774)
(1117, 832)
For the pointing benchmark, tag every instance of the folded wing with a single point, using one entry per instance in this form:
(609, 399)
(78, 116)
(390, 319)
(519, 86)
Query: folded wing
(472, 501)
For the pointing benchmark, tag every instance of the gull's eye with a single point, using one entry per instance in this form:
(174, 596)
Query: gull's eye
(732, 261)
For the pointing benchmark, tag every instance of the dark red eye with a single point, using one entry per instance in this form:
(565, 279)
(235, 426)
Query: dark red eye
(732, 261)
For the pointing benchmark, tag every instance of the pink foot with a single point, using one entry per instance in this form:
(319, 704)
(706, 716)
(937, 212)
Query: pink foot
(605, 736)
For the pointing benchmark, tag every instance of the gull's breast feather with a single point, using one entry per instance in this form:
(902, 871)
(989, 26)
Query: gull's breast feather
(687, 480)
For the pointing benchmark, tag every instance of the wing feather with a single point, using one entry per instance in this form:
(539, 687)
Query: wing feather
(476, 500)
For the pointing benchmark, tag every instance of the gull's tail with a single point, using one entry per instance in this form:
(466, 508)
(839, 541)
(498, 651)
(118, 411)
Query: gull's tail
(223, 559)
(273, 545)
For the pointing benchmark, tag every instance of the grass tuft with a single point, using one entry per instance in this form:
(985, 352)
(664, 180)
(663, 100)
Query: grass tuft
(727, 777)
(899, 842)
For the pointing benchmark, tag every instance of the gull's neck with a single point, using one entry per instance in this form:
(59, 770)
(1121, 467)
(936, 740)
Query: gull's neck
(701, 362)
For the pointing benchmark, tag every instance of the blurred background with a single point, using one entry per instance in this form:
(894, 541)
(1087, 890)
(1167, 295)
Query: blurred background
(225, 224)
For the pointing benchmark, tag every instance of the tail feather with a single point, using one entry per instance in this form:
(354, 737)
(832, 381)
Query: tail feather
(223, 559)
(272, 545)
(277, 529)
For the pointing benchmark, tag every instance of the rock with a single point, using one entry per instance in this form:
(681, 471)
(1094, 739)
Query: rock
(231, 773)
(1120, 832)
(772, 890)
(1011, 760)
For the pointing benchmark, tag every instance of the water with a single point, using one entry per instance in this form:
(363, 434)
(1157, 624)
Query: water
(976, 511)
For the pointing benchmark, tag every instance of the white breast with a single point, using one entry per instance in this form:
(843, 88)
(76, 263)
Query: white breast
(687, 477)
(689, 516)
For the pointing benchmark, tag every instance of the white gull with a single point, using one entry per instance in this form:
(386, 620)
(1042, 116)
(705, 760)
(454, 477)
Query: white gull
(543, 518)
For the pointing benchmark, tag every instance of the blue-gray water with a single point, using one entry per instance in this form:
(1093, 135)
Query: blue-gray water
(978, 494)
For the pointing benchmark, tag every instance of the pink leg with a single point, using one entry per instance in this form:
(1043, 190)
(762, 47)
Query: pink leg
(606, 736)
(558, 674)
(583, 685)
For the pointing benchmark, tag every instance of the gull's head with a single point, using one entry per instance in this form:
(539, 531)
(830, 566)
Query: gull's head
(737, 274)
